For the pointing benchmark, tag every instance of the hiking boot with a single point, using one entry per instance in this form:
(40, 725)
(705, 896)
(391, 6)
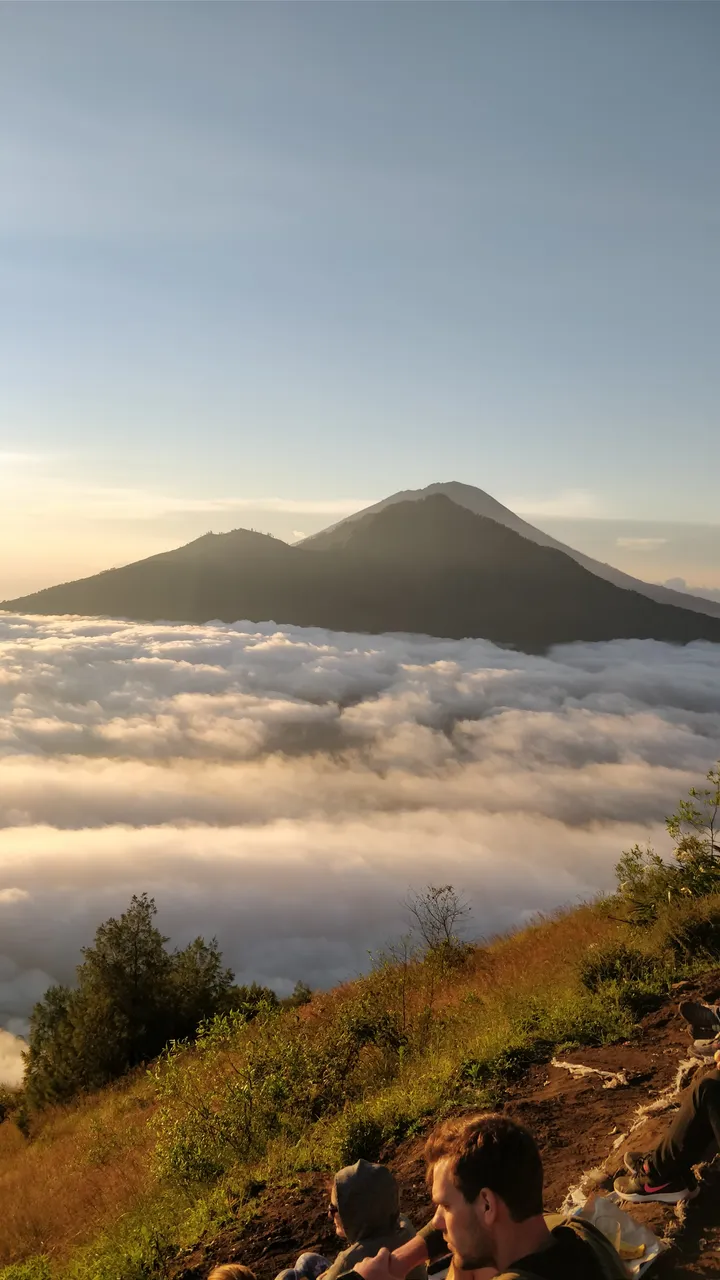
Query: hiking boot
(637, 1188)
(703, 1018)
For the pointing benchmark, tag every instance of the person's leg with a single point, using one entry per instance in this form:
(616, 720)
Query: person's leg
(311, 1265)
(703, 1019)
(666, 1173)
(695, 1128)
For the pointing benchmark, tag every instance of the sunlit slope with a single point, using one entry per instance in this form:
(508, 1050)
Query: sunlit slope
(88, 1191)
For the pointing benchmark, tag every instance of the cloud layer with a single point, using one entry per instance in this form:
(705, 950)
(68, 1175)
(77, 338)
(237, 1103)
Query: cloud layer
(283, 789)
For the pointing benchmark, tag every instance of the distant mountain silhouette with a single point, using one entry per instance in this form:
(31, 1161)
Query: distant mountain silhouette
(428, 566)
(467, 495)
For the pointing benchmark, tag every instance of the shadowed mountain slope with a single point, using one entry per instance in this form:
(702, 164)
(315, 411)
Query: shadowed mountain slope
(428, 566)
(481, 503)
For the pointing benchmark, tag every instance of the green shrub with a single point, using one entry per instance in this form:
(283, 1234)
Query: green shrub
(37, 1268)
(360, 1137)
(246, 1084)
(690, 931)
(146, 1258)
(223, 1101)
(640, 998)
(301, 995)
(648, 884)
(508, 1064)
(615, 962)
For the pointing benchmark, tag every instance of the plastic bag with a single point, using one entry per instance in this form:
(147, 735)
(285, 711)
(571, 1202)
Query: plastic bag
(637, 1245)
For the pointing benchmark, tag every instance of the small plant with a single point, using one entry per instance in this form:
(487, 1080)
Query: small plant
(509, 1064)
(37, 1268)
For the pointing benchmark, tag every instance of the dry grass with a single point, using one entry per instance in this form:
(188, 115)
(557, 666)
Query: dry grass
(541, 953)
(83, 1168)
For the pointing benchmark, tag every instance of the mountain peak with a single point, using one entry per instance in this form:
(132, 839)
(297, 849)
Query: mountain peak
(235, 542)
(483, 504)
(427, 565)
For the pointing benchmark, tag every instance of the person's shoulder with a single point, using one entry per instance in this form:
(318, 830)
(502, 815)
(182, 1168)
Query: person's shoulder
(346, 1260)
(576, 1246)
(595, 1245)
(344, 1263)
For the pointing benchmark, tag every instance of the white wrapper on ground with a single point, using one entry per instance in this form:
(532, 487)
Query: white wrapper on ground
(623, 1232)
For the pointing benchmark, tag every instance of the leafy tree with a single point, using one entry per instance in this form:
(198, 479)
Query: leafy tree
(124, 983)
(200, 986)
(694, 827)
(647, 882)
(249, 1000)
(52, 1061)
(301, 994)
(132, 998)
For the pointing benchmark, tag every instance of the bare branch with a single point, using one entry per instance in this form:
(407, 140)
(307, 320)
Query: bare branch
(439, 913)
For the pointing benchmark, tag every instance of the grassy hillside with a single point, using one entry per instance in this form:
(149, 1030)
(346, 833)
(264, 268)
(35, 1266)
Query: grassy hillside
(113, 1187)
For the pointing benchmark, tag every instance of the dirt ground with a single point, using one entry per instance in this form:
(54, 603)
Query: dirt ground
(577, 1123)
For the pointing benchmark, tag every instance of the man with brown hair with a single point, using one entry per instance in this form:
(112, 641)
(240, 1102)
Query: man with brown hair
(487, 1184)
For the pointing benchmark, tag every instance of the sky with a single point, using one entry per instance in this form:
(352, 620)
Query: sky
(265, 264)
(283, 789)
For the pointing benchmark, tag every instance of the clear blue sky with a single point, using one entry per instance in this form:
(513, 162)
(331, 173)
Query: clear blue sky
(320, 252)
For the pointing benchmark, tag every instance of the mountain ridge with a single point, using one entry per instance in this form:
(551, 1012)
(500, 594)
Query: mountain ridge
(482, 503)
(428, 566)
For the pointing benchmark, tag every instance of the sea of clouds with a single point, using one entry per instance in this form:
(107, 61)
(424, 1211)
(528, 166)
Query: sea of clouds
(283, 788)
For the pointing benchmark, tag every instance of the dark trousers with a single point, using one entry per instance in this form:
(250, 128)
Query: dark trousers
(695, 1130)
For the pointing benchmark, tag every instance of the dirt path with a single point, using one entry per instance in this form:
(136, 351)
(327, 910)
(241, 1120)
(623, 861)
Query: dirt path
(577, 1123)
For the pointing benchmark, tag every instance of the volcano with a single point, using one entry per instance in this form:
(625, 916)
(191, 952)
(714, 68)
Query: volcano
(424, 564)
